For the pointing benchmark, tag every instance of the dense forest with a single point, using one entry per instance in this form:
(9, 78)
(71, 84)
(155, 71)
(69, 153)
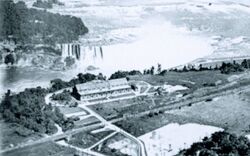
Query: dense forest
(31, 26)
(219, 144)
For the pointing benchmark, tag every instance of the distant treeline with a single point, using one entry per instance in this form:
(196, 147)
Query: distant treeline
(225, 68)
(31, 26)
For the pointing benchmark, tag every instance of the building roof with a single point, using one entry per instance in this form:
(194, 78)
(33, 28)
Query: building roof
(102, 86)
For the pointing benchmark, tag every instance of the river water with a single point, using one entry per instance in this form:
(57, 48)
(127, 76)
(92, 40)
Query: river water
(138, 34)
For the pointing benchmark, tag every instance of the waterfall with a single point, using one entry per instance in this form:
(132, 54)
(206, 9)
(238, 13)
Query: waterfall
(84, 55)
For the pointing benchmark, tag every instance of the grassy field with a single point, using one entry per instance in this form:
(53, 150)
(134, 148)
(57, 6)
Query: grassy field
(45, 149)
(9, 134)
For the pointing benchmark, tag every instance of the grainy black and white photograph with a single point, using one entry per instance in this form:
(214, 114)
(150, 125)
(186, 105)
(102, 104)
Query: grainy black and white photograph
(124, 77)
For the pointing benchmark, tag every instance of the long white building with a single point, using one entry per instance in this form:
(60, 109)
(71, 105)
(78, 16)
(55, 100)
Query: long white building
(100, 89)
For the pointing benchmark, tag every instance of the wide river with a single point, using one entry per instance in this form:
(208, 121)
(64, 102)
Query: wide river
(139, 34)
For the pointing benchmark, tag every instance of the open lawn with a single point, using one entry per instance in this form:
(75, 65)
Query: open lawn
(44, 149)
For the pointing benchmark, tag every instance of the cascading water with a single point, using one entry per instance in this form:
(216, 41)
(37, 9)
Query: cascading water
(84, 56)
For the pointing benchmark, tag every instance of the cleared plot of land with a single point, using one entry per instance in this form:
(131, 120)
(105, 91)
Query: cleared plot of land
(86, 139)
(13, 134)
(45, 149)
(231, 112)
(118, 144)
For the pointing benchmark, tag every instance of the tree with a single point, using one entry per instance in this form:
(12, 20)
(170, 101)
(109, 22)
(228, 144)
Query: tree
(164, 72)
(75, 93)
(216, 67)
(101, 77)
(9, 59)
(159, 68)
(185, 69)
(58, 84)
(152, 70)
(245, 64)
(201, 67)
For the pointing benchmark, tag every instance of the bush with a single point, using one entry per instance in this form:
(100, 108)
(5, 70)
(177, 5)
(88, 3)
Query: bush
(209, 100)
(151, 114)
